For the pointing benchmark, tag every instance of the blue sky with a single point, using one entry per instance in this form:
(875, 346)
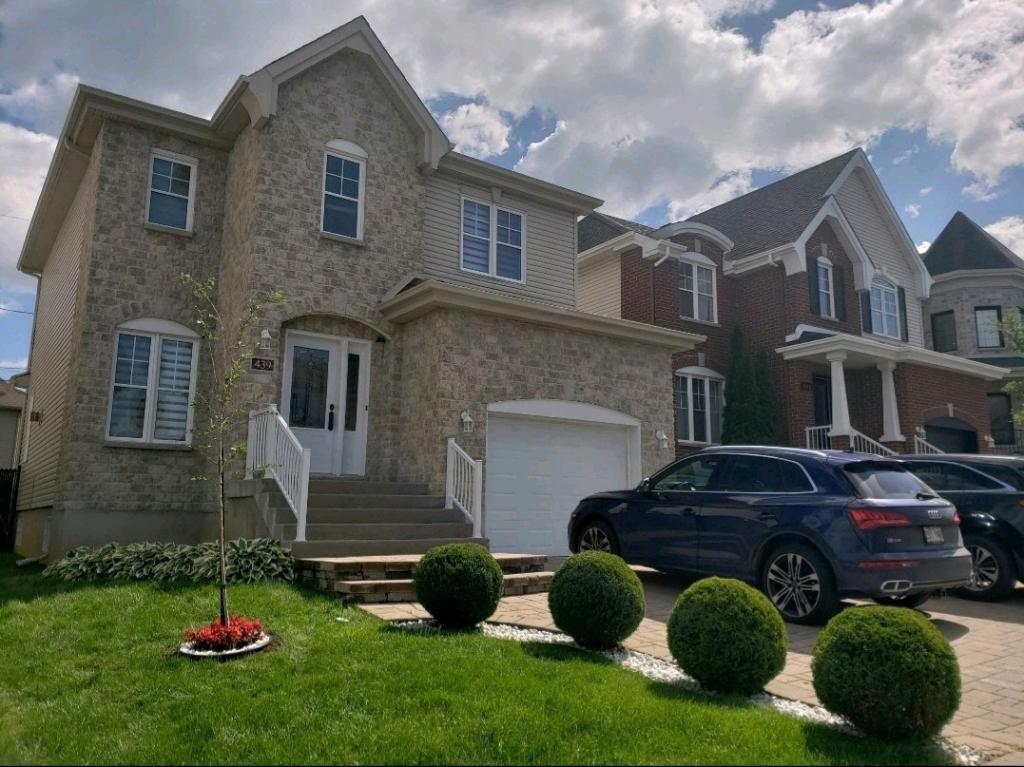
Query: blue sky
(660, 108)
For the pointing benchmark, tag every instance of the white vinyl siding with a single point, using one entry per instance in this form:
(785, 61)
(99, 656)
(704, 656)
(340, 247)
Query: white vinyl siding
(876, 234)
(599, 287)
(550, 238)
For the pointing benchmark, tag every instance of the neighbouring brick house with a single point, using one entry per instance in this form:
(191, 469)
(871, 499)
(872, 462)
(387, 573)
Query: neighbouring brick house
(977, 283)
(429, 349)
(816, 269)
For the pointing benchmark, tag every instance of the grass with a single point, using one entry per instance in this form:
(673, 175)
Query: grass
(89, 674)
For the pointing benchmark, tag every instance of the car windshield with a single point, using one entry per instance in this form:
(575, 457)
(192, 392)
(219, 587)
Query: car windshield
(1005, 474)
(876, 479)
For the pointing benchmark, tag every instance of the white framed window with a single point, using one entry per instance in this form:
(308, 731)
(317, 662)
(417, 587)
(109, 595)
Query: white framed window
(344, 190)
(492, 240)
(826, 289)
(885, 308)
(986, 324)
(698, 292)
(172, 190)
(152, 383)
(700, 402)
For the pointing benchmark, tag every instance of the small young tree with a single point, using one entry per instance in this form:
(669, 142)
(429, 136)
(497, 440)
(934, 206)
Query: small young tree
(751, 415)
(227, 351)
(766, 402)
(1012, 329)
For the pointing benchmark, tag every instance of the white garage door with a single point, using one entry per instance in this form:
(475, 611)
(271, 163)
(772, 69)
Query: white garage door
(537, 471)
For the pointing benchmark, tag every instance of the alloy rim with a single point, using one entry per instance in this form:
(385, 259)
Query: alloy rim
(793, 585)
(984, 568)
(595, 539)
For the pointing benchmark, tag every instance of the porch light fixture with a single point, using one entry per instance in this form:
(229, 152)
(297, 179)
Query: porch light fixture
(267, 342)
(467, 422)
(662, 438)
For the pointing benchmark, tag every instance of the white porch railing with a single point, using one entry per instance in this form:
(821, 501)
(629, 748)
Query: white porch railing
(922, 445)
(275, 452)
(817, 437)
(862, 443)
(464, 485)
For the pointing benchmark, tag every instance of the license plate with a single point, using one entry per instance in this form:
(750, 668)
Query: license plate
(933, 534)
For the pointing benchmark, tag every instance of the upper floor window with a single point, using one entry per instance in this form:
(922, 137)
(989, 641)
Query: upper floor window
(986, 323)
(492, 240)
(153, 382)
(885, 308)
(172, 184)
(697, 292)
(344, 189)
(826, 292)
(700, 401)
(944, 331)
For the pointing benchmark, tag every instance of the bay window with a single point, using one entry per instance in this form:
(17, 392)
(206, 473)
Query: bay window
(700, 401)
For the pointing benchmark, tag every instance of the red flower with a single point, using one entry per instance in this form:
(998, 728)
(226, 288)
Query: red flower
(239, 632)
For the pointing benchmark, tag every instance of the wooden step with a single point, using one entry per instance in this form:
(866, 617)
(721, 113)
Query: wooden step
(359, 548)
(403, 589)
(349, 531)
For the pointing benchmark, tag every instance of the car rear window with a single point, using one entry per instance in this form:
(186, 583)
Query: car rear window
(884, 480)
(1006, 474)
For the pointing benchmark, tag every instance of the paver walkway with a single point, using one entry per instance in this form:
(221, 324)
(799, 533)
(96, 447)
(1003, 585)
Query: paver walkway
(988, 640)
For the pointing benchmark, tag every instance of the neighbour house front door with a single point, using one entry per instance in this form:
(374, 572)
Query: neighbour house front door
(325, 397)
(822, 400)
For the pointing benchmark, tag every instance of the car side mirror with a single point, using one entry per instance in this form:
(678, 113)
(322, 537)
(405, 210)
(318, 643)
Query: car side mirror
(644, 486)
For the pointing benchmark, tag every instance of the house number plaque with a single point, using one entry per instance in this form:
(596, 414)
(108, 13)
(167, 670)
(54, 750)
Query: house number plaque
(263, 364)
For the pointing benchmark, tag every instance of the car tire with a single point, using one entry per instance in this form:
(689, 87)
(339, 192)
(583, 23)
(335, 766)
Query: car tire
(911, 601)
(816, 600)
(997, 575)
(597, 535)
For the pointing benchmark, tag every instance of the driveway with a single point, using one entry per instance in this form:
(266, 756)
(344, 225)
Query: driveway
(988, 640)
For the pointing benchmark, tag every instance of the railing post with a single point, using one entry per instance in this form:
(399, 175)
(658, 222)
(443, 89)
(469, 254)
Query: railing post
(478, 497)
(300, 527)
(270, 457)
(250, 445)
(449, 477)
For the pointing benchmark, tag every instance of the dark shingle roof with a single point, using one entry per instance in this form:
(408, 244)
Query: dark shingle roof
(962, 244)
(1002, 362)
(595, 228)
(775, 214)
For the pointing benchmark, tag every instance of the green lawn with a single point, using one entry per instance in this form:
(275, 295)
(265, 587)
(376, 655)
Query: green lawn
(89, 674)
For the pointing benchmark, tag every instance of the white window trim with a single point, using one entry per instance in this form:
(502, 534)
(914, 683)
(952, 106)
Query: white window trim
(701, 264)
(344, 150)
(885, 285)
(149, 417)
(689, 375)
(825, 265)
(492, 250)
(193, 181)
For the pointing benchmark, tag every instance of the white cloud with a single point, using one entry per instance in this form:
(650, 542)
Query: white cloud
(1009, 230)
(926, 190)
(923, 246)
(24, 157)
(903, 156)
(913, 210)
(980, 191)
(39, 101)
(10, 366)
(477, 129)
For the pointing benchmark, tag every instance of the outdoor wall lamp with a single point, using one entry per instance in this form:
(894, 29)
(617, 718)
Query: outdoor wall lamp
(267, 343)
(662, 438)
(467, 421)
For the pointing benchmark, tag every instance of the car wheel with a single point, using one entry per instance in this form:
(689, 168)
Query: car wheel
(800, 584)
(911, 600)
(993, 574)
(597, 535)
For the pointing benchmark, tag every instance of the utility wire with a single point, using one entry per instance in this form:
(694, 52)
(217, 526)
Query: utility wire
(16, 311)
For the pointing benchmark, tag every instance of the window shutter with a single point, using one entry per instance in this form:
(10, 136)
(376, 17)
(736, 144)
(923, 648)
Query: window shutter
(865, 311)
(839, 291)
(904, 332)
(812, 282)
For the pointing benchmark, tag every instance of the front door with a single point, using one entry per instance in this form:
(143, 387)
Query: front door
(325, 398)
(822, 400)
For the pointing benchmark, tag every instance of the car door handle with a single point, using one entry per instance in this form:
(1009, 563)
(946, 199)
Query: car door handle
(766, 516)
(689, 511)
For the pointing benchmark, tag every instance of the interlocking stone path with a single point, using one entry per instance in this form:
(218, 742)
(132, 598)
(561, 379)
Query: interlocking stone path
(988, 640)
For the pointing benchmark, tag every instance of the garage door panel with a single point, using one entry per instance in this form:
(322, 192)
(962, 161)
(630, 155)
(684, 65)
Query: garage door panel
(537, 471)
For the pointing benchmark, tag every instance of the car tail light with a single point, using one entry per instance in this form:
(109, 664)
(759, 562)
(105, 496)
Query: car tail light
(887, 564)
(956, 517)
(872, 519)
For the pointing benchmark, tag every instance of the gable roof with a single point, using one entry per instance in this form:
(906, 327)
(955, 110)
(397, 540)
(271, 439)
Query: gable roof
(595, 228)
(962, 244)
(778, 213)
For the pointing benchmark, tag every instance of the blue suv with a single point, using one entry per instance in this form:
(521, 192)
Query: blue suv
(807, 527)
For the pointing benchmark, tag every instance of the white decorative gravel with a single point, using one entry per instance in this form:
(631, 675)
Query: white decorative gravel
(259, 644)
(660, 670)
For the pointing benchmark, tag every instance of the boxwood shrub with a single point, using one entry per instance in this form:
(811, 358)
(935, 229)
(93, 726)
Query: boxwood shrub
(888, 670)
(596, 599)
(727, 635)
(459, 584)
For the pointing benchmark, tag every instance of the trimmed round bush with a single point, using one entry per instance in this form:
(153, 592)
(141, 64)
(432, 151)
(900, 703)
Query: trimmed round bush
(727, 635)
(596, 599)
(459, 584)
(888, 670)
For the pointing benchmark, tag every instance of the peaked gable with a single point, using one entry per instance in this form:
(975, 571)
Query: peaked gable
(962, 244)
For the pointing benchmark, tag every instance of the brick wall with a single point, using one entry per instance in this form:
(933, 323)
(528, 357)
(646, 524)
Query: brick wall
(925, 393)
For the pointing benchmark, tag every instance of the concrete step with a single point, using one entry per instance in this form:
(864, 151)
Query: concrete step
(401, 565)
(365, 487)
(403, 589)
(319, 500)
(354, 548)
(381, 531)
(381, 515)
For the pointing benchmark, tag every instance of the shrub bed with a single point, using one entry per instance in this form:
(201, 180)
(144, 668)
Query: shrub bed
(888, 670)
(459, 584)
(248, 561)
(240, 632)
(596, 599)
(727, 635)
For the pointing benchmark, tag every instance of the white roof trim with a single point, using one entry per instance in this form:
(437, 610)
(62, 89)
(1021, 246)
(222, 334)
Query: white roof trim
(667, 250)
(616, 245)
(802, 328)
(784, 255)
(701, 371)
(694, 228)
(864, 269)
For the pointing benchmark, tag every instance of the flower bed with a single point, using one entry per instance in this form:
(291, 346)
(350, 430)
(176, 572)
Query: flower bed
(217, 640)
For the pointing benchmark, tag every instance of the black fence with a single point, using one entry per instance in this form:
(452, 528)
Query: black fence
(8, 504)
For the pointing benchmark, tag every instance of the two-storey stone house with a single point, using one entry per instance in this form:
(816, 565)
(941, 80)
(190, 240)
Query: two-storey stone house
(429, 347)
(817, 270)
(977, 284)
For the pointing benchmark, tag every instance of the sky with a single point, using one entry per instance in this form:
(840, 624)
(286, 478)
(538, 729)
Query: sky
(661, 109)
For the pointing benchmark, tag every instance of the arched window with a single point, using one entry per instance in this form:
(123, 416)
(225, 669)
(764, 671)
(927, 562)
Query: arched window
(153, 382)
(885, 308)
(699, 400)
(344, 188)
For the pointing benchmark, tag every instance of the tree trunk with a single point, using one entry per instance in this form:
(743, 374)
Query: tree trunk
(223, 552)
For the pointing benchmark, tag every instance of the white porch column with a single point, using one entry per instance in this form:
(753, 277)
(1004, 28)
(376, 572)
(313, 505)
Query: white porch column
(890, 413)
(840, 407)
